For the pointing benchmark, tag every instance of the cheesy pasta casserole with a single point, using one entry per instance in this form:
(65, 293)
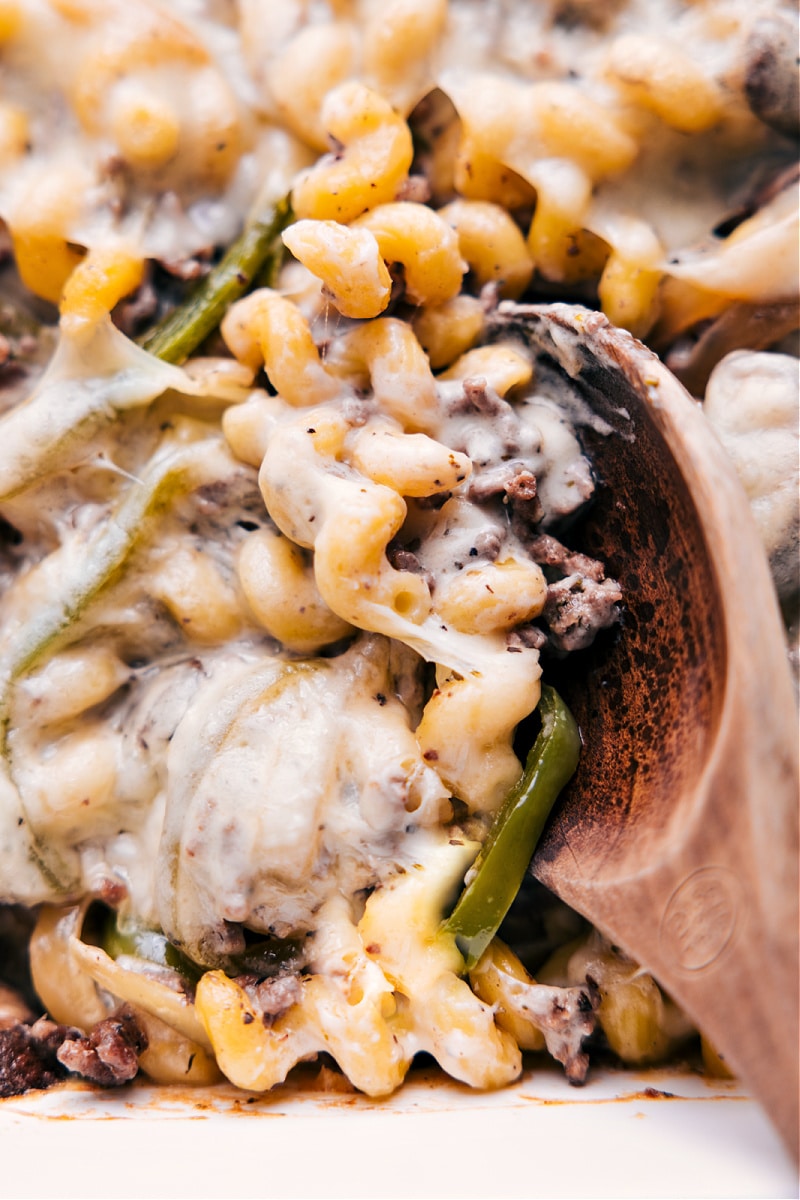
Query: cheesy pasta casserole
(281, 522)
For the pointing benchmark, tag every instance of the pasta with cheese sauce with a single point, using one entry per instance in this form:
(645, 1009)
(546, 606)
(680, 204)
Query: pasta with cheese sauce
(280, 527)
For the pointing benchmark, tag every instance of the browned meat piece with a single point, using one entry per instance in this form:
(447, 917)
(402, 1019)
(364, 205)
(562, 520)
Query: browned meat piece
(488, 544)
(566, 1018)
(28, 1057)
(516, 483)
(547, 551)
(577, 608)
(526, 507)
(278, 994)
(526, 635)
(135, 311)
(273, 996)
(403, 559)
(521, 488)
(23, 1064)
(564, 1015)
(478, 397)
(511, 479)
(109, 1054)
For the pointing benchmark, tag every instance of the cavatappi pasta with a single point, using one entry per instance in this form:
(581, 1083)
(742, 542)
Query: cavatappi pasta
(159, 125)
(273, 600)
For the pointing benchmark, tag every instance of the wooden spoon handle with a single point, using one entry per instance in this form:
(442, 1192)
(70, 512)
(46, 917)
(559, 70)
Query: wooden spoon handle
(692, 872)
(722, 936)
(727, 891)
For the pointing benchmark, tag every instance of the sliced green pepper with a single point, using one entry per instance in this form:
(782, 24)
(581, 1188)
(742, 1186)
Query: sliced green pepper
(500, 867)
(172, 470)
(264, 958)
(51, 430)
(150, 944)
(255, 255)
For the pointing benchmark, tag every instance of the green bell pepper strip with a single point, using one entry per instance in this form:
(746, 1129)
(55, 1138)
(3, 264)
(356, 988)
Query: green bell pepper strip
(149, 944)
(51, 430)
(264, 958)
(254, 256)
(171, 471)
(503, 860)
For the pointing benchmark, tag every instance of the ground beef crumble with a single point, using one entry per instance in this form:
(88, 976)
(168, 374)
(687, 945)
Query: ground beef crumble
(547, 551)
(41, 1054)
(577, 608)
(273, 996)
(109, 1055)
(580, 601)
(28, 1057)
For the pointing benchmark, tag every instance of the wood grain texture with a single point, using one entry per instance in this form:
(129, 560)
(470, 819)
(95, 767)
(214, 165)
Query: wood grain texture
(678, 835)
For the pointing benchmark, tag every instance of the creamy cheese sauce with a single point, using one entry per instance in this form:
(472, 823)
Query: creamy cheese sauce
(162, 748)
(101, 714)
(160, 124)
(265, 639)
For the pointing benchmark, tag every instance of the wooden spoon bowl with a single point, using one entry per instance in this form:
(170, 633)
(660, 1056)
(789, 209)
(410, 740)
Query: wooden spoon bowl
(678, 835)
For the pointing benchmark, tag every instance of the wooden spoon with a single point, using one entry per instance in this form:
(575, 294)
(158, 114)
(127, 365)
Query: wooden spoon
(678, 835)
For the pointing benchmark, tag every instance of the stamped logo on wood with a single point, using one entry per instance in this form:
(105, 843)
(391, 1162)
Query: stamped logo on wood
(700, 918)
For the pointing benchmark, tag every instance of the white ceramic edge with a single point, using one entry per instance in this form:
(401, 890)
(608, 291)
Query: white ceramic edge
(539, 1138)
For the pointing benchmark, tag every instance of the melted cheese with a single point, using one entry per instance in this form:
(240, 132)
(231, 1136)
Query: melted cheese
(158, 742)
(157, 123)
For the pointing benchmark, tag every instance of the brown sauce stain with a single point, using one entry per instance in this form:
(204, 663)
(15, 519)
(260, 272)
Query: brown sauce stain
(645, 1094)
(322, 1089)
